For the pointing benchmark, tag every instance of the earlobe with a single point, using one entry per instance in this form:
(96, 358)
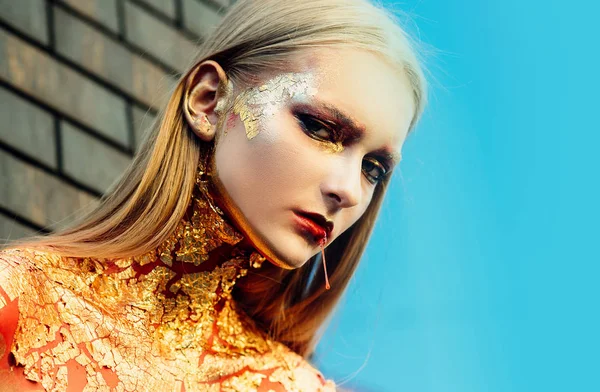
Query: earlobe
(203, 128)
(202, 94)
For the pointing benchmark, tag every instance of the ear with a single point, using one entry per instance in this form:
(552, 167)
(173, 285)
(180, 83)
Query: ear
(202, 93)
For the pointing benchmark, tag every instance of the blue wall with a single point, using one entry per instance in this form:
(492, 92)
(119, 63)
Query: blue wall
(483, 272)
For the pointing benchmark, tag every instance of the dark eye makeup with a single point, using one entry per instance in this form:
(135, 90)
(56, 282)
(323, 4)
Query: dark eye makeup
(317, 128)
(374, 168)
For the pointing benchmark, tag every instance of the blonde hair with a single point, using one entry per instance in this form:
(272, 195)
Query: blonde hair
(145, 206)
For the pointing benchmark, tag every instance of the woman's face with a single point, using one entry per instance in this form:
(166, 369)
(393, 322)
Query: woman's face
(316, 140)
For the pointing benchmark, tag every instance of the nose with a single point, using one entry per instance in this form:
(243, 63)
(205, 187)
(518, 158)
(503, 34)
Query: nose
(342, 187)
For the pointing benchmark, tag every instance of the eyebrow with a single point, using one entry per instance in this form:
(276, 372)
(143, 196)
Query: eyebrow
(355, 129)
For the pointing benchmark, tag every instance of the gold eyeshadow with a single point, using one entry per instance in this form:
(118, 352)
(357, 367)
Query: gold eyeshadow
(348, 129)
(340, 136)
(257, 103)
(333, 145)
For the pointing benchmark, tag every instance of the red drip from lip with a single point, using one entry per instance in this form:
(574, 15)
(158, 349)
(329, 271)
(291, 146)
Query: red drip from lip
(322, 243)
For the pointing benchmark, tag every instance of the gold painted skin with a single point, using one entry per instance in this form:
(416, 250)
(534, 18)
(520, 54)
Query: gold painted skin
(163, 321)
(255, 103)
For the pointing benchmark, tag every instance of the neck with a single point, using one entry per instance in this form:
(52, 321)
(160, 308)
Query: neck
(179, 289)
(203, 240)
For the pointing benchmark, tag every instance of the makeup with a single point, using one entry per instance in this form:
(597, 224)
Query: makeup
(332, 143)
(323, 242)
(308, 226)
(270, 166)
(256, 103)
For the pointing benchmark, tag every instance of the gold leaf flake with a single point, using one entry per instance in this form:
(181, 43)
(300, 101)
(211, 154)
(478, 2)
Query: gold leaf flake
(256, 104)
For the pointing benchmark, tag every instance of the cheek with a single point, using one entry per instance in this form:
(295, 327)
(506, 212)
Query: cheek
(353, 215)
(278, 162)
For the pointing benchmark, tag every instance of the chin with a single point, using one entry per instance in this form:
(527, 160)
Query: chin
(291, 261)
(293, 252)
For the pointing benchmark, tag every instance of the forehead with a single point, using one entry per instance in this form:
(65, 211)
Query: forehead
(371, 91)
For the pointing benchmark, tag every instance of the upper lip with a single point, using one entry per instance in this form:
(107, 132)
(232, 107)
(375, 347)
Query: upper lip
(320, 220)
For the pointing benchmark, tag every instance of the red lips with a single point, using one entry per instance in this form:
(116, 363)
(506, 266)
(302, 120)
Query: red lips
(315, 224)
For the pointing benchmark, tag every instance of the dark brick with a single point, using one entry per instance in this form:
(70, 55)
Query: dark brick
(158, 39)
(36, 73)
(223, 3)
(29, 16)
(102, 11)
(142, 120)
(89, 160)
(12, 230)
(166, 7)
(199, 17)
(38, 196)
(107, 58)
(27, 128)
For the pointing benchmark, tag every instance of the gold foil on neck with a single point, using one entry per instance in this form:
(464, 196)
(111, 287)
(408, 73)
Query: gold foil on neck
(166, 320)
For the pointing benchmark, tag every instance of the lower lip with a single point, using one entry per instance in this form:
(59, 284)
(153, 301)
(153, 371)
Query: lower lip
(307, 226)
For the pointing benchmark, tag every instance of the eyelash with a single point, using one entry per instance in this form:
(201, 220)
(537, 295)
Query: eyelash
(306, 121)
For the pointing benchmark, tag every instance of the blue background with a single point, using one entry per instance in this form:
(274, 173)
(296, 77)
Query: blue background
(483, 271)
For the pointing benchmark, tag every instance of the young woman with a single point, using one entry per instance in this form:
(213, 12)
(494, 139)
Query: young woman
(215, 261)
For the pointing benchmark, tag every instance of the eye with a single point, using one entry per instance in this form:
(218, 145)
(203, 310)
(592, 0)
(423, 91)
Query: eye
(315, 127)
(374, 170)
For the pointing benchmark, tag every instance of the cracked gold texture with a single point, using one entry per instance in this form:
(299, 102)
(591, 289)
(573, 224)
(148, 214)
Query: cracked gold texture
(162, 321)
(255, 104)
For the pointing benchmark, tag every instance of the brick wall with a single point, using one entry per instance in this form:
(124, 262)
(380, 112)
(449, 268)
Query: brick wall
(79, 82)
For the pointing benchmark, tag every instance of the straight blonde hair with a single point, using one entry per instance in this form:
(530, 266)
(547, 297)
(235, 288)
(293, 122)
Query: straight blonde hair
(147, 203)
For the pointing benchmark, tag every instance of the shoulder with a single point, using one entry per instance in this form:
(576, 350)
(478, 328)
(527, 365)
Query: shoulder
(15, 265)
(311, 379)
(23, 281)
(17, 268)
(20, 275)
(24, 271)
(303, 375)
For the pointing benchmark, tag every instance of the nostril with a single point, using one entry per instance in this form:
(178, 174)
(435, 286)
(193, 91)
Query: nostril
(336, 197)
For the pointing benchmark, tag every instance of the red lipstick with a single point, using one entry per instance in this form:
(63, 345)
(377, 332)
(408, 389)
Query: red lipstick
(315, 224)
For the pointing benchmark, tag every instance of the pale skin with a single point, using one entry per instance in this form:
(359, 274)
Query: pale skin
(285, 167)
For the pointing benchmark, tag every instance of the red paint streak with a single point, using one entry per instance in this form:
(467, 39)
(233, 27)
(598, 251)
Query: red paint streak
(110, 377)
(267, 385)
(202, 358)
(322, 243)
(265, 372)
(9, 315)
(76, 376)
(231, 120)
